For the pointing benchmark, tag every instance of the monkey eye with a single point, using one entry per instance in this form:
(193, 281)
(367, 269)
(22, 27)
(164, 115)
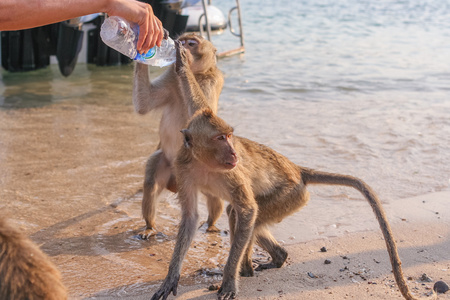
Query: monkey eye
(223, 137)
(192, 43)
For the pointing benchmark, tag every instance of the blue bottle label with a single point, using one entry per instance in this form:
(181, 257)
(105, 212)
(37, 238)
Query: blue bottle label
(150, 53)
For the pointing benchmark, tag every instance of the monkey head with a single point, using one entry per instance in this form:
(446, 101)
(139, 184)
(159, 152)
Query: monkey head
(201, 52)
(210, 140)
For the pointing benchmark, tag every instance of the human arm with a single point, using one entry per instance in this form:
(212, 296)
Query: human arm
(23, 14)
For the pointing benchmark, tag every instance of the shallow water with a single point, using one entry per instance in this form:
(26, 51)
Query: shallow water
(357, 87)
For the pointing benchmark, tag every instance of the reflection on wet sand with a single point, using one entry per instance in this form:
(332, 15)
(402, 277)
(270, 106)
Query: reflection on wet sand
(71, 179)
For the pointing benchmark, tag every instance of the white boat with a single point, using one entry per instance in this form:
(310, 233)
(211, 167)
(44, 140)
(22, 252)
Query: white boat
(216, 18)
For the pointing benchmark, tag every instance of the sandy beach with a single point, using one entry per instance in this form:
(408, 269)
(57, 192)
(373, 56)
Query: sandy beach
(357, 264)
(71, 179)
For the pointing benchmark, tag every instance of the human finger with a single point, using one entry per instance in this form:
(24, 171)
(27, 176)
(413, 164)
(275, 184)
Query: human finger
(143, 33)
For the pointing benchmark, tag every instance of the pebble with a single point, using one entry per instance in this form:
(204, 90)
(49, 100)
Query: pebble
(323, 249)
(213, 287)
(426, 278)
(327, 261)
(440, 287)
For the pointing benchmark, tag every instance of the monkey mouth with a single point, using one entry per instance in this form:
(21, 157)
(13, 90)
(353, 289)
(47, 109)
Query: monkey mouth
(231, 164)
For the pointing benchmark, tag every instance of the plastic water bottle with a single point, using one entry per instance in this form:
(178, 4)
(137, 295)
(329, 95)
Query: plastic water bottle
(122, 36)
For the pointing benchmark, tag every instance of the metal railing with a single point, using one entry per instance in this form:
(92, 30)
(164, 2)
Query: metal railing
(237, 8)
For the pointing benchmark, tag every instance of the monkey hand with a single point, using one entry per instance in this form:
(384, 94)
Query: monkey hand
(182, 64)
(226, 292)
(166, 34)
(169, 285)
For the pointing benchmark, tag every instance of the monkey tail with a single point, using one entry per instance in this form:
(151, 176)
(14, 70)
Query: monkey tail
(310, 176)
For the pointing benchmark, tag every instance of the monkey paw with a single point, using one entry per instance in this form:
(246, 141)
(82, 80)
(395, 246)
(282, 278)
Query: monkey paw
(209, 228)
(147, 233)
(223, 294)
(169, 285)
(181, 64)
(246, 269)
(166, 34)
(268, 266)
(247, 272)
(212, 229)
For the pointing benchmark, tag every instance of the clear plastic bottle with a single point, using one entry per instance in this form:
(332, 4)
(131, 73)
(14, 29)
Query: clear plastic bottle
(122, 36)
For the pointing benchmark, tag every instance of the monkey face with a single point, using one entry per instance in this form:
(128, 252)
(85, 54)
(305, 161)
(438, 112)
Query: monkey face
(210, 141)
(225, 155)
(201, 53)
(192, 42)
(216, 152)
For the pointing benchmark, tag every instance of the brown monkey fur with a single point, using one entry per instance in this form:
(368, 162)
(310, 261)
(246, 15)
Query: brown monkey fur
(164, 93)
(261, 185)
(26, 273)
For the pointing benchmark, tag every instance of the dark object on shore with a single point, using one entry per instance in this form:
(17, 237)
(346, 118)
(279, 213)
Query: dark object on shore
(213, 287)
(323, 249)
(426, 278)
(327, 261)
(440, 287)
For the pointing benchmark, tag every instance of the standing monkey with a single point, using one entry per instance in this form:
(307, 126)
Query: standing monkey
(261, 185)
(26, 273)
(165, 93)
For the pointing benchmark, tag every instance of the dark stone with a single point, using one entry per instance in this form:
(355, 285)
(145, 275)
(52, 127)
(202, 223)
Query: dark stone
(440, 287)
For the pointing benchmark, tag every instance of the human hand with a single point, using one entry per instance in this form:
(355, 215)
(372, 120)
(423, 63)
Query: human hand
(151, 31)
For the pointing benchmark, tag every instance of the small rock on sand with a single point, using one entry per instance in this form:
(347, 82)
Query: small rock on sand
(440, 287)
(426, 278)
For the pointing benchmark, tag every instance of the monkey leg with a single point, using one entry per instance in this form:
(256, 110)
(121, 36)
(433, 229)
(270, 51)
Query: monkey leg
(157, 177)
(215, 209)
(231, 221)
(265, 239)
(246, 264)
(244, 217)
(186, 233)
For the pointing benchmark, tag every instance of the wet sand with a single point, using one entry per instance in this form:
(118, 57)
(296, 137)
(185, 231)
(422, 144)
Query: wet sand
(71, 176)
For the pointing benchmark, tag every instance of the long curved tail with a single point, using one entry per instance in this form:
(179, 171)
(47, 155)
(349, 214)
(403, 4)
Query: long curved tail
(310, 176)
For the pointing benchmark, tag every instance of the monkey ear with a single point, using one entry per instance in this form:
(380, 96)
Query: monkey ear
(187, 138)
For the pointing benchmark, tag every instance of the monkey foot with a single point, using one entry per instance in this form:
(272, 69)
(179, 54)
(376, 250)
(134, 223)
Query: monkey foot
(224, 295)
(147, 233)
(267, 266)
(169, 286)
(247, 273)
(212, 229)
